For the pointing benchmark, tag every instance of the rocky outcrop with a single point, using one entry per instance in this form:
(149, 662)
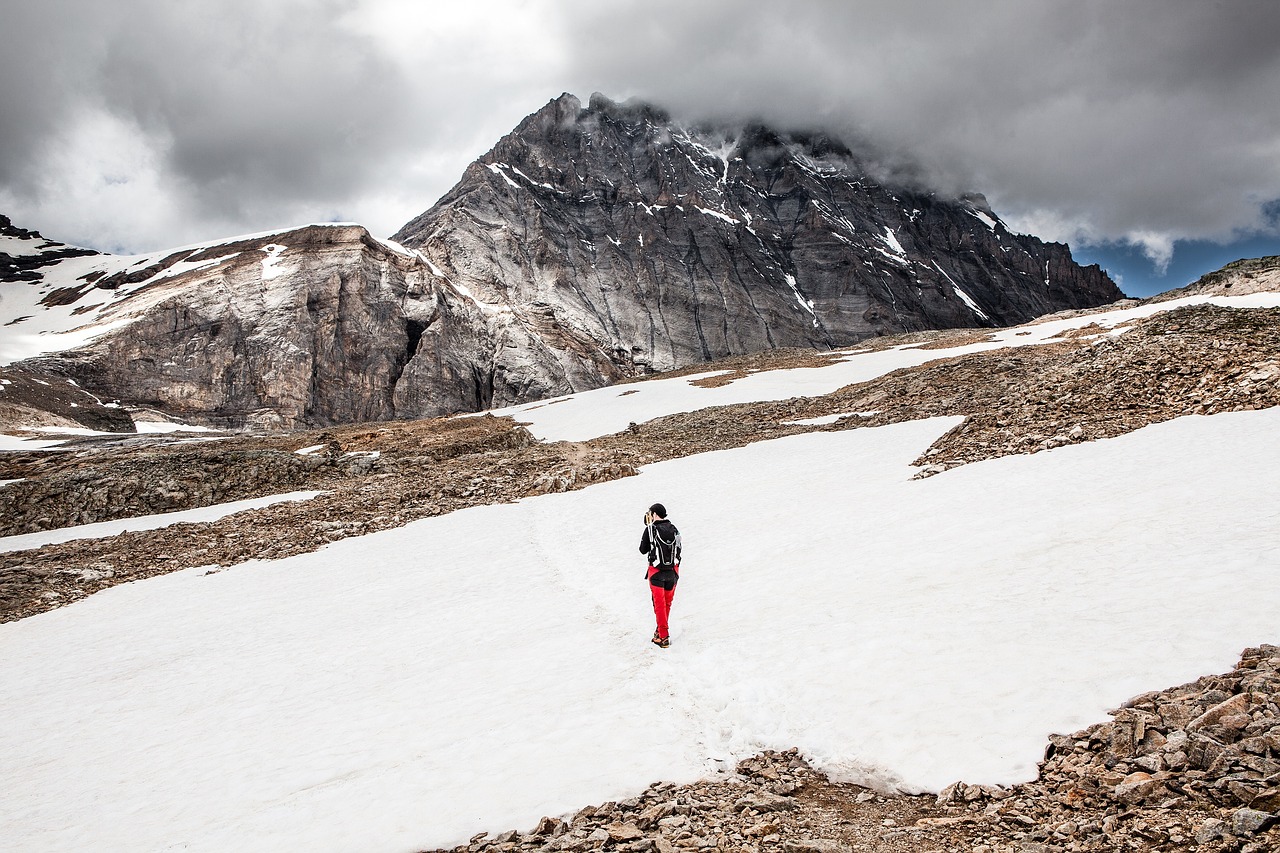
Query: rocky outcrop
(627, 239)
(318, 325)
(1196, 766)
(33, 399)
(26, 252)
(1248, 275)
(161, 483)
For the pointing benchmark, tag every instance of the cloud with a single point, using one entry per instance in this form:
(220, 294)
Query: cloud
(144, 123)
(1126, 120)
(207, 119)
(1157, 247)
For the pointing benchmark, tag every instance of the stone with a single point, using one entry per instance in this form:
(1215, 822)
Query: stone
(1267, 800)
(623, 831)
(1249, 821)
(1211, 830)
(765, 802)
(1136, 786)
(814, 845)
(1228, 707)
(1150, 763)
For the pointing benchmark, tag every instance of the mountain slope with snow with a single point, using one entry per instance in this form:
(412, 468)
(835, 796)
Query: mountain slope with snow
(659, 245)
(318, 324)
(590, 245)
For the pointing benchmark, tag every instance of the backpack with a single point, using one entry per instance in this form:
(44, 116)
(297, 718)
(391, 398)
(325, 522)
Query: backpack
(663, 553)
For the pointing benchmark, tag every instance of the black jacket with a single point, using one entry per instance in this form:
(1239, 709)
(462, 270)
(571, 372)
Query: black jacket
(667, 532)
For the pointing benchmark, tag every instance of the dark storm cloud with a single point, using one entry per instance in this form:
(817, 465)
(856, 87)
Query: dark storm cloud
(143, 122)
(251, 99)
(1114, 119)
(294, 104)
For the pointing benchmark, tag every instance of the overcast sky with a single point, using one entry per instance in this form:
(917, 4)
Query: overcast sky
(1125, 127)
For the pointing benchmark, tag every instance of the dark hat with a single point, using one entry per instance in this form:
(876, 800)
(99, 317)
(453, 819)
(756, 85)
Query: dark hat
(659, 510)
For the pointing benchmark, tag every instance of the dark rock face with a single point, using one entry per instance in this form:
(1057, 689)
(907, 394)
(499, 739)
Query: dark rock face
(589, 245)
(652, 246)
(32, 398)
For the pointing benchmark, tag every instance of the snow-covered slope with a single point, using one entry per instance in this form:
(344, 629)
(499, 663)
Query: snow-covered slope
(70, 301)
(317, 324)
(481, 669)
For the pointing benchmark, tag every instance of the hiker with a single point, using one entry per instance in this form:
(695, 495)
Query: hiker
(661, 544)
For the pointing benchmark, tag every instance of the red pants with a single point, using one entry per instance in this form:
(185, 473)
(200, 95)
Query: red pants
(662, 599)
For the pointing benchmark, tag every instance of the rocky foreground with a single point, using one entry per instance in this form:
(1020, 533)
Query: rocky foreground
(1196, 767)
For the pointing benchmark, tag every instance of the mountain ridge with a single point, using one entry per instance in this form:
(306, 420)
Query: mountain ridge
(534, 278)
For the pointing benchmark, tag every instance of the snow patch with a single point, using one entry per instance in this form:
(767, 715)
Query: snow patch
(270, 270)
(18, 442)
(161, 427)
(102, 529)
(985, 219)
(497, 169)
(718, 215)
(891, 240)
(968, 300)
(964, 297)
(803, 302)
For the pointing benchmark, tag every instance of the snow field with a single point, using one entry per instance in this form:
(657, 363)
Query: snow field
(17, 442)
(478, 670)
(102, 529)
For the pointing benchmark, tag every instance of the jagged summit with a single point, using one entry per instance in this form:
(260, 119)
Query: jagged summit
(671, 244)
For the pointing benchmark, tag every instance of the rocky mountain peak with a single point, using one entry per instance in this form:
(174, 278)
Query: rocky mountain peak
(631, 112)
(654, 244)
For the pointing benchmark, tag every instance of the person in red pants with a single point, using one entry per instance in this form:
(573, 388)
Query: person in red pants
(661, 544)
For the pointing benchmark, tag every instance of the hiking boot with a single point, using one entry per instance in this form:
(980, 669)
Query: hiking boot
(661, 642)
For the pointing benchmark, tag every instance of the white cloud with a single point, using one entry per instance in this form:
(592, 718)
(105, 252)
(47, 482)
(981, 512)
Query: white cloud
(97, 163)
(1157, 247)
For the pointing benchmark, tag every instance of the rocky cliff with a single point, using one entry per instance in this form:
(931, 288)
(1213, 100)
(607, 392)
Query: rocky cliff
(651, 246)
(591, 244)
